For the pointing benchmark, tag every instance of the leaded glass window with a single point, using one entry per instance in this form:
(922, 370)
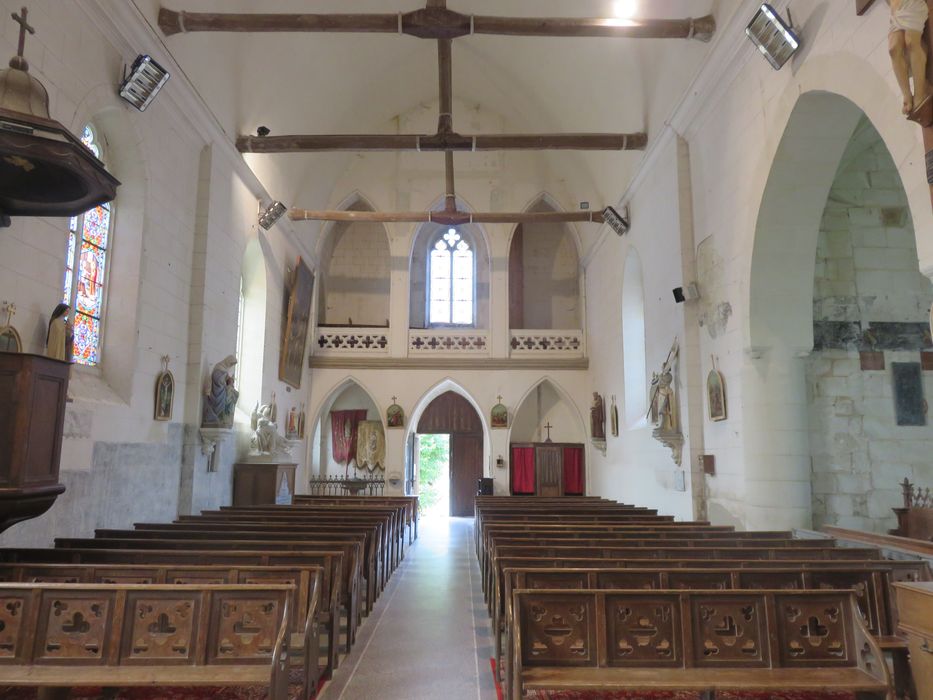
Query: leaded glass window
(86, 269)
(452, 275)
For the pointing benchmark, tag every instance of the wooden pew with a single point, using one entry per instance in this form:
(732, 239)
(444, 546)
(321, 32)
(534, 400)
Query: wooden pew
(871, 582)
(592, 641)
(302, 578)
(410, 503)
(104, 635)
(331, 563)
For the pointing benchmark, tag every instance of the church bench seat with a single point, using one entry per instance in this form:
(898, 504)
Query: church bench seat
(410, 504)
(351, 574)
(331, 563)
(304, 580)
(71, 635)
(702, 641)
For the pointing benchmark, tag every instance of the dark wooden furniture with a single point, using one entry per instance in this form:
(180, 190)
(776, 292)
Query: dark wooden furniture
(80, 635)
(33, 391)
(263, 483)
(915, 518)
(552, 470)
(705, 641)
(915, 604)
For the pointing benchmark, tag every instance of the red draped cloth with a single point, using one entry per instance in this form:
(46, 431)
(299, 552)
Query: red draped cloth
(573, 471)
(523, 470)
(343, 430)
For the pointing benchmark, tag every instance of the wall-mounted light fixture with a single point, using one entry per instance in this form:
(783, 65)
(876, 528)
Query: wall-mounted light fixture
(271, 214)
(774, 37)
(146, 78)
(620, 223)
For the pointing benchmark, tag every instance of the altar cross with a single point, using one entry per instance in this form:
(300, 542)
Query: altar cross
(23, 28)
(548, 427)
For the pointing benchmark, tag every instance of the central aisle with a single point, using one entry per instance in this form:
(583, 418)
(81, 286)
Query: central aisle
(429, 635)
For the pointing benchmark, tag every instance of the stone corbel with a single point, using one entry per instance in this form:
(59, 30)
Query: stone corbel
(673, 440)
(210, 439)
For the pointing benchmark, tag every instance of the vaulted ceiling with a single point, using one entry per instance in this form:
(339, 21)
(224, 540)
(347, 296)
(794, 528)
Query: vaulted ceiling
(362, 83)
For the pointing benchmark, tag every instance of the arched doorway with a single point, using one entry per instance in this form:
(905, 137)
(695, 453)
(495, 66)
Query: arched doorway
(452, 415)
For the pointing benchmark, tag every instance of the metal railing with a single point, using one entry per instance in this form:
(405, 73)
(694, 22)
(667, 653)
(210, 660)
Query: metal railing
(346, 485)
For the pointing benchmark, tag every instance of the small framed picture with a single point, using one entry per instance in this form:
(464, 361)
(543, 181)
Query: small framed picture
(716, 395)
(395, 416)
(499, 416)
(164, 393)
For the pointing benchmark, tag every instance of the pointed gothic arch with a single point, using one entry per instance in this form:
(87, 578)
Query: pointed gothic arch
(349, 393)
(539, 402)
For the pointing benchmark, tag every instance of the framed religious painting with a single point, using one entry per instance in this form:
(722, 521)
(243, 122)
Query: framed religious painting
(298, 293)
(614, 418)
(164, 393)
(499, 416)
(716, 395)
(395, 415)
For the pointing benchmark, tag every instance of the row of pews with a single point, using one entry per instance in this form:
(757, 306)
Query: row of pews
(589, 596)
(234, 598)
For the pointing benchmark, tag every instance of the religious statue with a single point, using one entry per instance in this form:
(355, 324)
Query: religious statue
(598, 417)
(266, 439)
(220, 395)
(662, 409)
(59, 341)
(908, 52)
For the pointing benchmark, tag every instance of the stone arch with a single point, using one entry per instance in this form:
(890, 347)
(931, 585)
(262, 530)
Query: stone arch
(518, 431)
(545, 273)
(355, 271)
(319, 447)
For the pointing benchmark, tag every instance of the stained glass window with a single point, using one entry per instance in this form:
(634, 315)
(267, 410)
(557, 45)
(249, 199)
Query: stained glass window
(86, 270)
(451, 271)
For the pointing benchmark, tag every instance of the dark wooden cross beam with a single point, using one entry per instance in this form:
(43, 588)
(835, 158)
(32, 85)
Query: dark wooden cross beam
(446, 217)
(24, 27)
(862, 6)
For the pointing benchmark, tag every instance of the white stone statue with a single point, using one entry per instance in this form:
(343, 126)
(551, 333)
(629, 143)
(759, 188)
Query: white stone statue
(266, 439)
(663, 410)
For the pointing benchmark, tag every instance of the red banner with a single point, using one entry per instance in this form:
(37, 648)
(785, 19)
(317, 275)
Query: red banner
(573, 471)
(523, 470)
(344, 426)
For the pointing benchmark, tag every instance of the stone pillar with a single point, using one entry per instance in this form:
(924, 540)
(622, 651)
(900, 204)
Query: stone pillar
(776, 440)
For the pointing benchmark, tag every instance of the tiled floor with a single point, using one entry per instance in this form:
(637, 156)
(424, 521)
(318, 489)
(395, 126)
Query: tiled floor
(429, 635)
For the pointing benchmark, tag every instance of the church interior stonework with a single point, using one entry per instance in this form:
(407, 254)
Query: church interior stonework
(466, 349)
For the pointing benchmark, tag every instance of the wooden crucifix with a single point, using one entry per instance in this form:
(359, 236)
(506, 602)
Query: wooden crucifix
(24, 27)
(548, 427)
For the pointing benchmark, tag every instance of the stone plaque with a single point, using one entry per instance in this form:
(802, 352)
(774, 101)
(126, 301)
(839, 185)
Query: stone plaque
(909, 403)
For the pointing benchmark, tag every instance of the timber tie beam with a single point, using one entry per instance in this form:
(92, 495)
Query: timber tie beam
(436, 22)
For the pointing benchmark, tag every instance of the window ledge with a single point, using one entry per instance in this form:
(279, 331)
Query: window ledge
(88, 384)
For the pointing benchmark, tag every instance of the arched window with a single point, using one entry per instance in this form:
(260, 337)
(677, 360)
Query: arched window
(635, 367)
(240, 323)
(452, 275)
(89, 238)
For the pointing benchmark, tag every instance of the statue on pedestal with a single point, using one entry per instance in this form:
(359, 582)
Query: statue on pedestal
(220, 395)
(598, 417)
(59, 341)
(663, 411)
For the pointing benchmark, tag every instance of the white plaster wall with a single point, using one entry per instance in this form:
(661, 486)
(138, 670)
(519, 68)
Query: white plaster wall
(545, 406)
(551, 277)
(355, 276)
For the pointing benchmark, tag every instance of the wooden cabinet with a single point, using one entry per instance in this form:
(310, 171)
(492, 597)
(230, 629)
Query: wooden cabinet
(915, 614)
(548, 469)
(33, 391)
(263, 483)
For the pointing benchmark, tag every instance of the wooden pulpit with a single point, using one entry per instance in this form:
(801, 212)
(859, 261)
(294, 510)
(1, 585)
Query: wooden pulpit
(33, 391)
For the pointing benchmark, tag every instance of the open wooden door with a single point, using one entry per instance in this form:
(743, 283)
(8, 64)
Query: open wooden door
(466, 468)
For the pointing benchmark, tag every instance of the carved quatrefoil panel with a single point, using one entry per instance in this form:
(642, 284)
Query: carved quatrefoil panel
(12, 608)
(76, 628)
(644, 631)
(560, 632)
(813, 631)
(629, 580)
(859, 582)
(162, 629)
(565, 581)
(246, 628)
(730, 631)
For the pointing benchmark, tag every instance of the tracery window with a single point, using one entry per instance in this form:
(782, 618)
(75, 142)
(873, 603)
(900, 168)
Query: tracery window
(86, 269)
(452, 280)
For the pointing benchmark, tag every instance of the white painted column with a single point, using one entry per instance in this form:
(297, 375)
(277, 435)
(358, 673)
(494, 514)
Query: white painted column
(776, 440)
(499, 332)
(399, 244)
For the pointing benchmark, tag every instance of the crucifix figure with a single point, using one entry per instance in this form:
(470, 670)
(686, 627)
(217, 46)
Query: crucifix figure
(548, 427)
(24, 27)
(908, 51)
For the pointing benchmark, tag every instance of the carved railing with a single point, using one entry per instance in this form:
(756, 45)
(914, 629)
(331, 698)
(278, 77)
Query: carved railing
(547, 343)
(915, 519)
(352, 341)
(915, 497)
(448, 342)
(346, 485)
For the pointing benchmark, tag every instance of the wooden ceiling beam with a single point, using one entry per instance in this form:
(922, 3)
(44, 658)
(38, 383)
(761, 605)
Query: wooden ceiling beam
(437, 22)
(441, 142)
(447, 218)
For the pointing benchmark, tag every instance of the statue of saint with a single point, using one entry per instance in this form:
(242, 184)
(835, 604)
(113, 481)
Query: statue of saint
(665, 407)
(220, 395)
(266, 439)
(59, 341)
(598, 417)
(908, 51)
